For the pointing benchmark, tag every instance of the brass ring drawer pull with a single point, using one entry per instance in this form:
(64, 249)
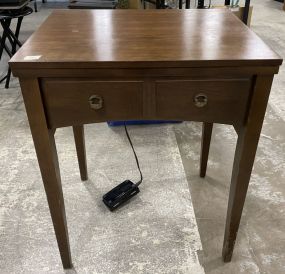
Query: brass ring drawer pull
(200, 100)
(96, 102)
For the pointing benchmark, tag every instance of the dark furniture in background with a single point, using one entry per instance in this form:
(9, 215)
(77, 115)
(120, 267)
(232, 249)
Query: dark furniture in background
(9, 41)
(93, 4)
(160, 4)
(246, 11)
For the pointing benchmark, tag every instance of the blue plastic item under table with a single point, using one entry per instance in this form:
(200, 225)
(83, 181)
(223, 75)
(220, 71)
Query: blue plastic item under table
(143, 122)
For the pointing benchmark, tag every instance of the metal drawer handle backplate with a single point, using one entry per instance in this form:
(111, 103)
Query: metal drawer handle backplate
(200, 100)
(96, 102)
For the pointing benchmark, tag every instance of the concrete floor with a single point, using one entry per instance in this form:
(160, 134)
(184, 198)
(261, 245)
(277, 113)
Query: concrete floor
(260, 246)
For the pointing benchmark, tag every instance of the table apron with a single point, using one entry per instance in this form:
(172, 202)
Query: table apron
(76, 101)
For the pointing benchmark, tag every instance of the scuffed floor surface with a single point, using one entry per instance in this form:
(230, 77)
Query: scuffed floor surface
(156, 232)
(260, 245)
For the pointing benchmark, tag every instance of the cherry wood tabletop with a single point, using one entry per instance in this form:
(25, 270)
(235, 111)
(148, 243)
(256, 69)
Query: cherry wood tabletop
(145, 38)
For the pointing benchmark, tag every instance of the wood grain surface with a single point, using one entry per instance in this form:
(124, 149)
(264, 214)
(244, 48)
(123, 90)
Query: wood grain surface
(145, 38)
(67, 101)
(226, 100)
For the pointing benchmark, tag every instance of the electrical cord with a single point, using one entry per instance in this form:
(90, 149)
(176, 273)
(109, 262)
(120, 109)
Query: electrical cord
(137, 161)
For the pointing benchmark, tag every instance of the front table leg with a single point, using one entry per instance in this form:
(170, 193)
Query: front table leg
(243, 161)
(48, 161)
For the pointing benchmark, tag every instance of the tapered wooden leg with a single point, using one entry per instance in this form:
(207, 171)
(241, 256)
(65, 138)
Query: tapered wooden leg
(78, 132)
(243, 161)
(205, 146)
(47, 157)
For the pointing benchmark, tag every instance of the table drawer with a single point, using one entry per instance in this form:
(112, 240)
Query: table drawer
(221, 101)
(69, 102)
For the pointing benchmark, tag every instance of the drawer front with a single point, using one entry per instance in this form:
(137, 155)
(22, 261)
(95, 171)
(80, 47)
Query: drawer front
(69, 102)
(220, 101)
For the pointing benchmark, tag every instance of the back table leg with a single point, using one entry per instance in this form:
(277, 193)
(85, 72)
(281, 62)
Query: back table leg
(243, 161)
(48, 161)
(205, 146)
(78, 132)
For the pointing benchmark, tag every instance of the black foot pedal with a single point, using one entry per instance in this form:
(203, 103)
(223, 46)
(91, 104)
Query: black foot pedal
(120, 194)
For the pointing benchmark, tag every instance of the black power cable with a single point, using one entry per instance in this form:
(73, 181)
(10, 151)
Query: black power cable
(136, 157)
